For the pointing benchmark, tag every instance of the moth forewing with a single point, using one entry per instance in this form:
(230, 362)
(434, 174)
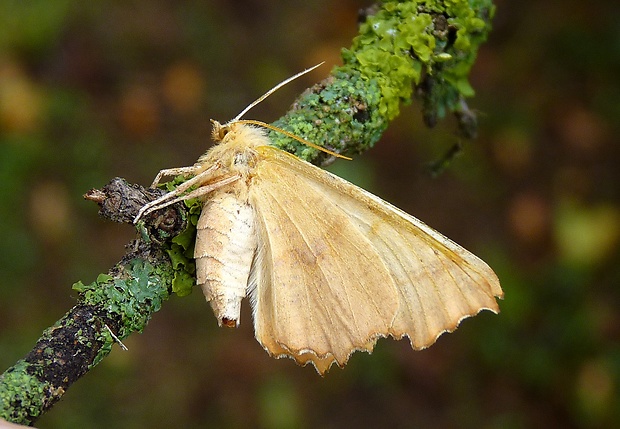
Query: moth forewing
(342, 268)
(448, 282)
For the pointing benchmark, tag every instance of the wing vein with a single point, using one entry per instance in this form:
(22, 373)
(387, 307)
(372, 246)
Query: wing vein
(323, 274)
(345, 299)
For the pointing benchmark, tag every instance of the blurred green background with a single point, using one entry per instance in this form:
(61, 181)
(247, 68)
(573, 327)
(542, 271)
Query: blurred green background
(93, 90)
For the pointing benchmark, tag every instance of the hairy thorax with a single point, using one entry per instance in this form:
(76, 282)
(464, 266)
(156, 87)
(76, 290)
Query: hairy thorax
(235, 149)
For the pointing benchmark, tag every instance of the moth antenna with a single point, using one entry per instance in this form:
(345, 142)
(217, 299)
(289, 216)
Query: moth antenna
(218, 129)
(274, 89)
(293, 136)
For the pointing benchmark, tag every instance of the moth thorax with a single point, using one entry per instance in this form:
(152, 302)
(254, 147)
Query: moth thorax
(225, 247)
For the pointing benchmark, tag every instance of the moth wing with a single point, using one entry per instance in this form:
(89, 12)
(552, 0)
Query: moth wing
(321, 289)
(337, 268)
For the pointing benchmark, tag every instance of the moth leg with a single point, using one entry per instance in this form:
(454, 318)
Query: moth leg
(199, 178)
(165, 201)
(193, 170)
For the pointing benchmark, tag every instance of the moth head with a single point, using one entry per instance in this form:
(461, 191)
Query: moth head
(219, 131)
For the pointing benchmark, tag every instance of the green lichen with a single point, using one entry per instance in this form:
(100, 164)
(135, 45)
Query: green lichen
(406, 41)
(132, 297)
(183, 265)
(21, 394)
(181, 249)
(341, 113)
(405, 44)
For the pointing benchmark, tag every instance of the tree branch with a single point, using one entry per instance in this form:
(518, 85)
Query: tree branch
(429, 46)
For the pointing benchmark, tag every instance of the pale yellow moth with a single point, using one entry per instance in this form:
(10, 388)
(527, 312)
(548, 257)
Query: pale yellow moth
(329, 267)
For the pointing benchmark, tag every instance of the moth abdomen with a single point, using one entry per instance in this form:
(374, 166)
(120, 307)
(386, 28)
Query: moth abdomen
(225, 247)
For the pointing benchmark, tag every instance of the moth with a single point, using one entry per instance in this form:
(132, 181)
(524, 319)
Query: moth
(329, 268)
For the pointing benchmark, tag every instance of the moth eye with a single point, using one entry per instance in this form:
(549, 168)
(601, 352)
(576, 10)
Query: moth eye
(219, 131)
(222, 132)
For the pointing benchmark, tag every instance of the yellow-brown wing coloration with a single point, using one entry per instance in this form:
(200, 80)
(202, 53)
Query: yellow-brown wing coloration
(337, 268)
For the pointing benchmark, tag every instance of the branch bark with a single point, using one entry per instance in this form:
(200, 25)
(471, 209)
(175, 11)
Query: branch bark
(403, 46)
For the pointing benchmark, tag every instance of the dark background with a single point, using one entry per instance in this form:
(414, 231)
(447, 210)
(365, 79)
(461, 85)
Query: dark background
(93, 90)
